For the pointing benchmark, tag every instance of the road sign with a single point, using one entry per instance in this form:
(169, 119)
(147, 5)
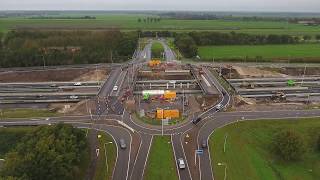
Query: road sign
(165, 122)
(199, 151)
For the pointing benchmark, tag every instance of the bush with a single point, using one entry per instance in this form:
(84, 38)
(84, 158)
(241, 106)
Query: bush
(289, 145)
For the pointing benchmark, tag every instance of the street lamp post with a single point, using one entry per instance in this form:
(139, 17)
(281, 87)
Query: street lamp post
(105, 153)
(225, 169)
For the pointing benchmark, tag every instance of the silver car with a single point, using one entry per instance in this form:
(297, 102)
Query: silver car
(181, 163)
(122, 144)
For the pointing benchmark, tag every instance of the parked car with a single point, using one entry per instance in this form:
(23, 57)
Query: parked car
(196, 120)
(115, 88)
(181, 163)
(122, 144)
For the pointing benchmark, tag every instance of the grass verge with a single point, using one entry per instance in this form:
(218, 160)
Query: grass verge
(153, 121)
(161, 163)
(157, 50)
(248, 153)
(26, 113)
(107, 147)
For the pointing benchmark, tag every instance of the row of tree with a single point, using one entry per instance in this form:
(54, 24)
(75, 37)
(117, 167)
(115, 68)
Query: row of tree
(187, 42)
(36, 48)
(48, 152)
(149, 20)
(152, 34)
(216, 38)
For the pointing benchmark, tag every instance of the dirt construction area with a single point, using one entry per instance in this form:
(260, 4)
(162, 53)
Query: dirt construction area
(273, 88)
(72, 74)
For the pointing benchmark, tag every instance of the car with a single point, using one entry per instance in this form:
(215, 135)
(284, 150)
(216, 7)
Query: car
(115, 88)
(224, 93)
(196, 120)
(219, 107)
(74, 97)
(181, 163)
(204, 143)
(53, 85)
(122, 144)
(77, 84)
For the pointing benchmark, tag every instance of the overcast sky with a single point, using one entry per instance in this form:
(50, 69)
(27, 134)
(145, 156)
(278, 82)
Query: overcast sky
(210, 5)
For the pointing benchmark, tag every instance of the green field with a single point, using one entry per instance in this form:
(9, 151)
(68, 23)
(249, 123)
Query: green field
(248, 152)
(161, 163)
(26, 113)
(102, 172)
(265, 51)
(130, 22)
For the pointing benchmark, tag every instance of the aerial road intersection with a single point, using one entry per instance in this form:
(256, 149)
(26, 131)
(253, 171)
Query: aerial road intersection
(112, 114)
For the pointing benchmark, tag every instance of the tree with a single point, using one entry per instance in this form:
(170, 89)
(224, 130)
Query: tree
(318, 143)
(307, 37)
(139, 20)
(318, 37)
(186, 45)
(49, 152)
(289, 145)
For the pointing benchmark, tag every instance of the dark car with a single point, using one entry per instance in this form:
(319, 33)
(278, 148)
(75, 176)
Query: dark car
(223, 93)
(196, 120)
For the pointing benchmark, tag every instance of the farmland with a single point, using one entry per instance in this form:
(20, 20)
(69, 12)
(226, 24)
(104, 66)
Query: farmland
(130, 22)
(265, 51)
(248, 154)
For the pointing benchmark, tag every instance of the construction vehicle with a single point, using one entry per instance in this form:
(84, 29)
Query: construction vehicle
(279, 95)
(247, 85)
(154, 62)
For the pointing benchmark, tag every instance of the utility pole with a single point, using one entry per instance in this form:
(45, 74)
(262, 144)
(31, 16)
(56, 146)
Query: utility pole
(111, 53)
(97, 74)
(225, 142)
(162, 127)
(182, 102)
(44, 62)
(304, 73)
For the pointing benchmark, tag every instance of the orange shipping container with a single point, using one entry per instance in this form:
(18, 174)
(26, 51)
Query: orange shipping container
(159, 113)
(171, 113)
(170, 94)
